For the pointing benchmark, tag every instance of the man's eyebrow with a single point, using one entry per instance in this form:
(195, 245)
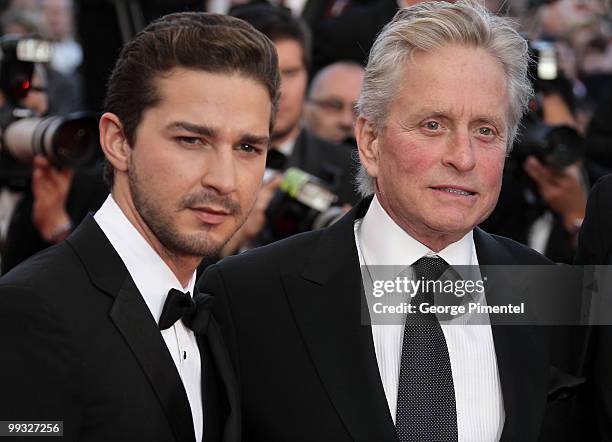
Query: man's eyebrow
(441, 113)
(491, 119)
(206, 131)
(430, 112)
(196, 128)
(255, 139)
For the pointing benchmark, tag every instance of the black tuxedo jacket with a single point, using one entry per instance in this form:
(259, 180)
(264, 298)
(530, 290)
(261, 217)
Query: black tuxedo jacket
(308, 370)
(595, 248)
(79, 345)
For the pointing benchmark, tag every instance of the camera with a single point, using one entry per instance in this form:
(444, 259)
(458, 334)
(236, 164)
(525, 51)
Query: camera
(303, 202)
(66, 141)
(555, 146)
(17, 58)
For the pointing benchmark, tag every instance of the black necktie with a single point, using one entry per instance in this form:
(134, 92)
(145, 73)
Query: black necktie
(426, 409)
(194, 312)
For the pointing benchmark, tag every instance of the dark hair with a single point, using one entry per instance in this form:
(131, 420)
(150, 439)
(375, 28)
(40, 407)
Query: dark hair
(194, 40)
(277, 23)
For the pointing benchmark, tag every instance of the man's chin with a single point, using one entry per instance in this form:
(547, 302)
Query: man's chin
(196, 244)
(281, 132)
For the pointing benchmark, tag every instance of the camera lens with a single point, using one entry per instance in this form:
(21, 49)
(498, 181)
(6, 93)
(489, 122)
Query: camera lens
(64, 141)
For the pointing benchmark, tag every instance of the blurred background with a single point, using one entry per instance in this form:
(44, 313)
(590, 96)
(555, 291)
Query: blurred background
(56, 56)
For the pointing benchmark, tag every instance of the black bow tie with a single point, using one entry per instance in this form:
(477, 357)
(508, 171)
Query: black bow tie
(194, 312)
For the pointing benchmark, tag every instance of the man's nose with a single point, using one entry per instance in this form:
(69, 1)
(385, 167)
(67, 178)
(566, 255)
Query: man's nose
(459, 152)
(221, 171)
(347, 117)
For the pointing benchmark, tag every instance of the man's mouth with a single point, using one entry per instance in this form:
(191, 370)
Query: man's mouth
(455, 190)
(211, 215)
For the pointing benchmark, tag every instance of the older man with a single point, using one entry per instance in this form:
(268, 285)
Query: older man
(330, 109)
(444, 90)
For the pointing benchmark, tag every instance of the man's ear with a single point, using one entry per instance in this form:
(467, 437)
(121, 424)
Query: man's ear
(367, 142)
(114, 144)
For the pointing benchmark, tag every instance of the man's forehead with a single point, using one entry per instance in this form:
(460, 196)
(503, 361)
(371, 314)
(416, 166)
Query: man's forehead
(180, 95)
(442, 90)
(448, 110)
(341, 88)
(289, 50)
(177, 79)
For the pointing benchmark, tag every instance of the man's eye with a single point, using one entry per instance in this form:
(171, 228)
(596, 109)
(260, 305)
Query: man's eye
(330, 104)
(190, 141)
(249, 148)
(290, 73)
(432, 125)
(487, 131)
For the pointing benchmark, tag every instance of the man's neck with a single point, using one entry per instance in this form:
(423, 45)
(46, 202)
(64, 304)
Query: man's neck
(182, 266)
(434, 240)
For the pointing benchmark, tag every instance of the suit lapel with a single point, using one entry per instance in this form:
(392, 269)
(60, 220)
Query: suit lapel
(328, 305)
(132, 317)
(521, 351)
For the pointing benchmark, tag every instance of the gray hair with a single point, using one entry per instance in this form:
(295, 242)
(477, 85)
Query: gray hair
(426, 27)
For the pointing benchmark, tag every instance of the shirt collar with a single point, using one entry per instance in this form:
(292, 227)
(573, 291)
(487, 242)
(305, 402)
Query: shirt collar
(396, 247)
(152, 276)
(287, 147)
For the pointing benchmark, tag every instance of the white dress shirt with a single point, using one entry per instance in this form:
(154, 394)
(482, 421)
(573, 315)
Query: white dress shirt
(154, 279)
(287, 147)
(478, 396)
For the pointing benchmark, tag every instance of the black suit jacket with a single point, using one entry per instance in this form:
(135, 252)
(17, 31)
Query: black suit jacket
(595, 237)
(595, 248)
(80, 345)
(308, 370)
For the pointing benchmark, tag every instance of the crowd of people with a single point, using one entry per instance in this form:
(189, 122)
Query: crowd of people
(323, 47)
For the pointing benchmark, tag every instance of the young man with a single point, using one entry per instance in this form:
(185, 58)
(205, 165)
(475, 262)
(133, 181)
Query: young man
(103, 332)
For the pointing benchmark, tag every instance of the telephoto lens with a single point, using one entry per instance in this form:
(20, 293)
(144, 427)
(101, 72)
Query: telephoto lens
(65, 141)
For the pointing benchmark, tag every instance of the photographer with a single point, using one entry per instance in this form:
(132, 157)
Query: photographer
(42, 198)
(543, 195)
